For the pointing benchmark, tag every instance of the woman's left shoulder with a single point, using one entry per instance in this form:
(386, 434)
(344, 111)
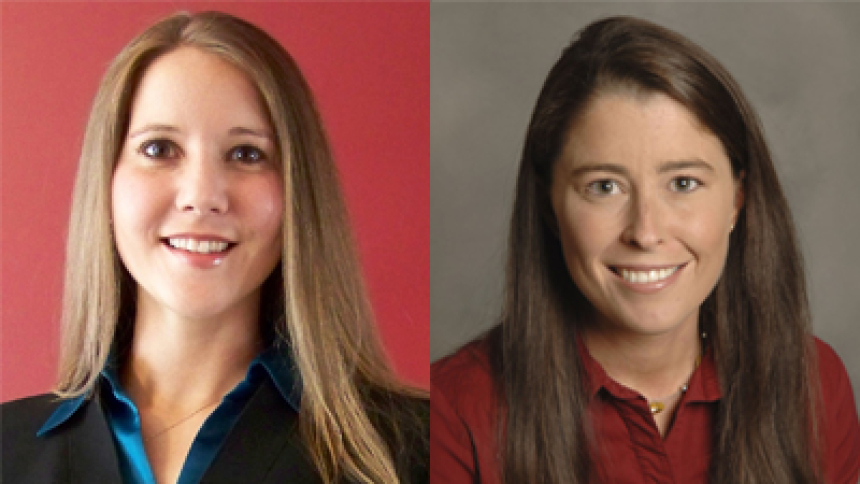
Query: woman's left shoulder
(832, 373)
(841, 430)
(403, 420)
(407, 412)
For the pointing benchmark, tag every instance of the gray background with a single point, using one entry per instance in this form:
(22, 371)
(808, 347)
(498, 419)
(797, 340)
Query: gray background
(798, 63)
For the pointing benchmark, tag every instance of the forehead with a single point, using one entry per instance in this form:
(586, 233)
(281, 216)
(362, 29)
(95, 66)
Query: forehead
(640, 132)
(191, 88)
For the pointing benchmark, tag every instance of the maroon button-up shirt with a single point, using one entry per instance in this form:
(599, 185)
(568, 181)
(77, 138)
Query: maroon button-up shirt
(463, 424)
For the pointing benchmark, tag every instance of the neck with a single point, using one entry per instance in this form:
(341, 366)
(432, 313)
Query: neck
(655, 365)
(182, 363)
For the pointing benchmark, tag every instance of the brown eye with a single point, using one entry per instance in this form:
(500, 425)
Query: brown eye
(246, 154)
(603, 187)
(159, 149)
(684, 184)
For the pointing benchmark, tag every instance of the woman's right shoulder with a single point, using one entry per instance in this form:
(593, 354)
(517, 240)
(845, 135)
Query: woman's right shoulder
(24, 417)
(27, 457)
(464, 376)
(463, 417)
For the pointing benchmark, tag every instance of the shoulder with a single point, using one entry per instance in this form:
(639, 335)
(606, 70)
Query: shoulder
(464, 379)
(26, 457)
(835, 384)
(23, 418)
(464, 417)
(404, 423)
(827, 355)
(841, 430)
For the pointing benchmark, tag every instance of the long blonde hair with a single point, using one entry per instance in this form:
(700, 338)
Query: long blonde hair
(315, 300)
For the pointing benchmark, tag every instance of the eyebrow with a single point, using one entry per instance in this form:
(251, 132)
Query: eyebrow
(260, 133)
(236, 131)
(685, 165)
(663, 168)
(153, 128)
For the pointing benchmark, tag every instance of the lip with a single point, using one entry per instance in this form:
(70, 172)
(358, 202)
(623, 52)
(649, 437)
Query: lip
(647, 287)
(196, 259)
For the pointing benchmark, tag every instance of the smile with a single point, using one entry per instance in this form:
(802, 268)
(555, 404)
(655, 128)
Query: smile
(199, 246)
(643, 277)
(647, 279)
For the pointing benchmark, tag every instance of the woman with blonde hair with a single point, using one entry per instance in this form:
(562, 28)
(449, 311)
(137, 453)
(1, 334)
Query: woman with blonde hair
(216, 327)
(655, 326)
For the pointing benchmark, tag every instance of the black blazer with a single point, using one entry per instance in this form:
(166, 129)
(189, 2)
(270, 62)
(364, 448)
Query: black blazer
(262, 448)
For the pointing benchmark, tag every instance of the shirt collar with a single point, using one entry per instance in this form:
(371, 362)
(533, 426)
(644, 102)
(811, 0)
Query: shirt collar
(704, 384)
(275, 362)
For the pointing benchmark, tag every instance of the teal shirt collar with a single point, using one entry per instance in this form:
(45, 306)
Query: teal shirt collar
(275, 361)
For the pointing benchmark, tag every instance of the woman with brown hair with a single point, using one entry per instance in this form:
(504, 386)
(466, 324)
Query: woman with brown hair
(216, 326)
(655, 326)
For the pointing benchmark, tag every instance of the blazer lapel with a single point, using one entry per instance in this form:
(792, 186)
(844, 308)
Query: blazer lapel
(264, 445)
(92, 455)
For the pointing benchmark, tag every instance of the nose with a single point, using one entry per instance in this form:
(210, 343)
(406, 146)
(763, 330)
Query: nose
(202, 186)
(645, 223)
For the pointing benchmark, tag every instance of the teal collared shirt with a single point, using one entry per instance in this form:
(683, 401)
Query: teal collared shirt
(123, 417)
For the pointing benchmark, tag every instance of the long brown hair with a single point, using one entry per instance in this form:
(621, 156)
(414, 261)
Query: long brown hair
(314, 301)
(757, 317)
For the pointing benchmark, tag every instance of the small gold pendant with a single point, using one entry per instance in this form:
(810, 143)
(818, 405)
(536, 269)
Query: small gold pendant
(656, 407)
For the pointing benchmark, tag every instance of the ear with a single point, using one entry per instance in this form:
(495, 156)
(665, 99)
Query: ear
(740, 196)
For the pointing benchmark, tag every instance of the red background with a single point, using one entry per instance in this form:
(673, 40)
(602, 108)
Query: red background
(369, 66)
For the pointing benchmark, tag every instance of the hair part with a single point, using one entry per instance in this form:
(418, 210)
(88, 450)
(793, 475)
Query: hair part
(757, 317)
(314, 302)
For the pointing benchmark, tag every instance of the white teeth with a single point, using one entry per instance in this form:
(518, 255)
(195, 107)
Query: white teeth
(656, 275)
(202, 247)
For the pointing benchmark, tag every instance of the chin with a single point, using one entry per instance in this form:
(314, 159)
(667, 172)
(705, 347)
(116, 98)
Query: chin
(653, 325)
(202, 309)
(662, 327)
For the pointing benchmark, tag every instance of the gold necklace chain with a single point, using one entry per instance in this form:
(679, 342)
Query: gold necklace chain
(656, 406)
(180, 421)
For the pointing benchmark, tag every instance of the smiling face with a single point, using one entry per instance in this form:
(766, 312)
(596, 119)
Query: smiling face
(197, 194)
(644, 200)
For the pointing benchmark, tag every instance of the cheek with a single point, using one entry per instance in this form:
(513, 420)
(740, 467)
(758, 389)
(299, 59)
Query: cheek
(708, 235)
(584, 234)
(133, 199)
(265, 204)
